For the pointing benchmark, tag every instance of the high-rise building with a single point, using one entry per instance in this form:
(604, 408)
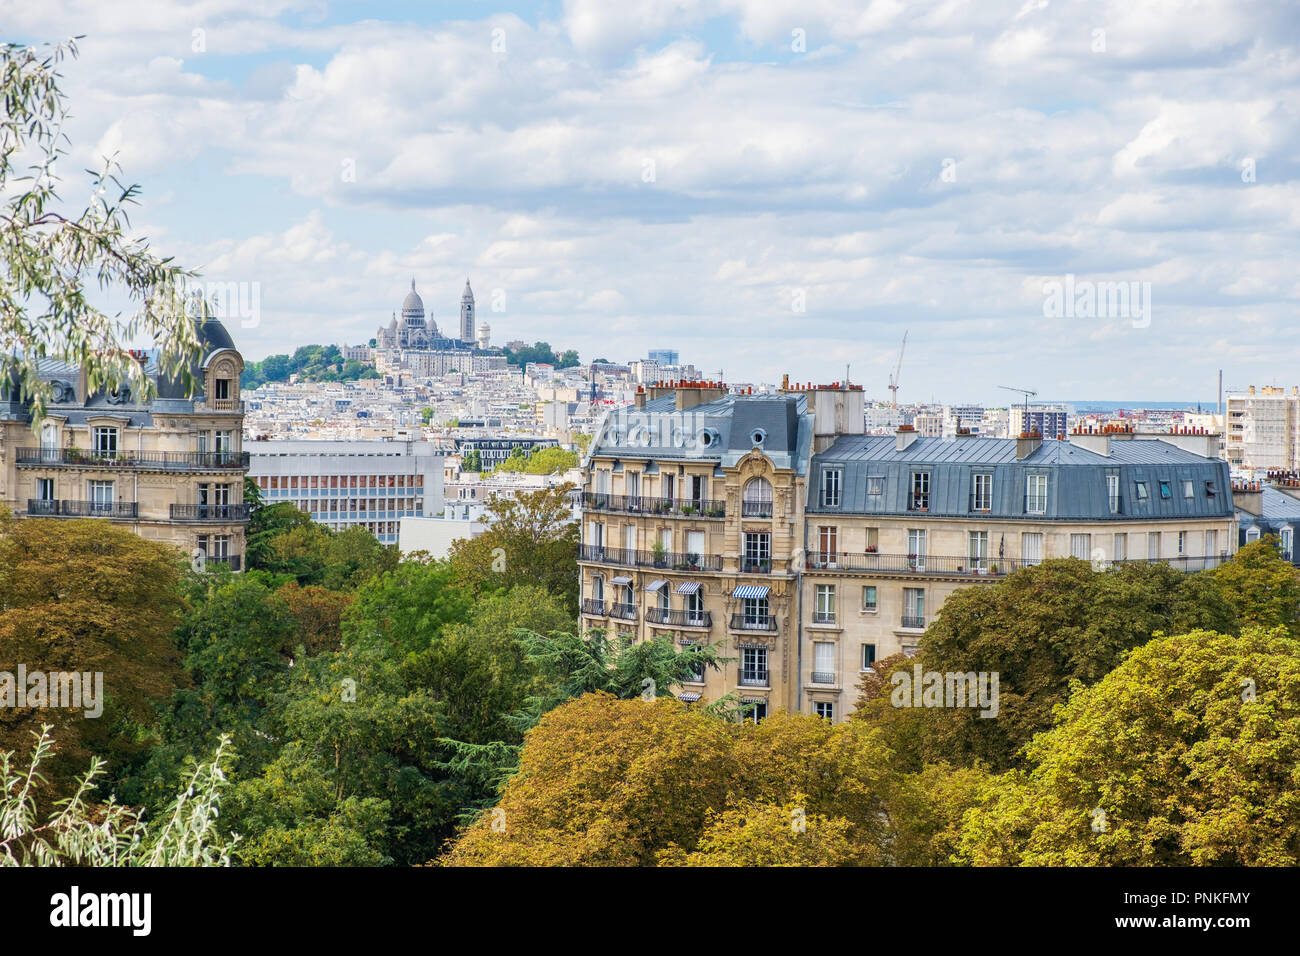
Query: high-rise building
(774, 528)
(171, 469)
(1264, 429)
(664, 356)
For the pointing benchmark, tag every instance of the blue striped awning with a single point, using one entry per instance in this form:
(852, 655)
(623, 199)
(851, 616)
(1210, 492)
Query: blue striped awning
(690, 587)
(751, 591)
(655, 585)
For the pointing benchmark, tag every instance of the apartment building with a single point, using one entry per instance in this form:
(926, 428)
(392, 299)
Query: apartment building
(1264, 429)
(775, 528)
(342, 484)
(171, 468)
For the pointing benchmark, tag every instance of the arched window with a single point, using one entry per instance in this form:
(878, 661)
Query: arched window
(757, 499)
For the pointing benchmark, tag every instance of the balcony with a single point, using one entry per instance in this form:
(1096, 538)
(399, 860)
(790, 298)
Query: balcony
(657, 615)
(823, 617)
(231, 561)
(913, 622)
(753, 622)
(594, 608)
(624, 612)
(82, 509)
(138, 460)
(823, 677)
(756, 509)
(667, 560)
(650, 505)
(756, 565)
(913, 564)
(237, 512)
(753, 677)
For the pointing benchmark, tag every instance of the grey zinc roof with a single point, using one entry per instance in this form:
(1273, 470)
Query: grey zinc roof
(1279, 510)
(1076, 484)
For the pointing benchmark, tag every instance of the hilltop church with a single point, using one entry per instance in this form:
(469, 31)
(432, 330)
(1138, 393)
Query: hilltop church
(413, 343)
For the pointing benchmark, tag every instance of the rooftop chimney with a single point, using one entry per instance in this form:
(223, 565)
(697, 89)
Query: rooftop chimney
(1027, 444)
(904, 437)
(1249, 497)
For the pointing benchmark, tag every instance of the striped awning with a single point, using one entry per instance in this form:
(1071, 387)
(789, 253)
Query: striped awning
(753, 700)
(655, 585)
(688, 698)
(689, 587)
(751, 591)
(622, 579)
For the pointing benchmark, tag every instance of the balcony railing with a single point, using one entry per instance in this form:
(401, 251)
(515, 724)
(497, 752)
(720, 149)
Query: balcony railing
(756, 509)
(626, 612)
(667, 560)
(144, 460)
(674, 618)
(753, 676)
(595, 608)
(823, 617)
(823, 677)
(913, 621)
(237, 512)
(912, 563)
(756, 565)
(1183, 562)
(753, 622)
(83, 509)
(651, 505)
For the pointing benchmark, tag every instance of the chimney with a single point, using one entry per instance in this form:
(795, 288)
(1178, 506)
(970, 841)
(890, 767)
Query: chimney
(1095, 440)
(904, 437)
(690, 394)
(1199, 441)
(1248, 497)
(1027, 444)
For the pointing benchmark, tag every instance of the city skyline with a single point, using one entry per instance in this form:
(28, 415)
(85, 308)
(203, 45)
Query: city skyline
(789, 186)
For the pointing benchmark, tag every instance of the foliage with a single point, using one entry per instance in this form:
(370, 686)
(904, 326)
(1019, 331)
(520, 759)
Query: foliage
(311, 363)
(1185, 754)
(543, 461)
(77, 833)
(769, 834)
(48, 252)
(541, 352)
(1262, 585)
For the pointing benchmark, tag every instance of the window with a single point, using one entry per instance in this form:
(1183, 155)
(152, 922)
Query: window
(598, 588)
(1142, 494)
(758, 552)
(823, 662)
(695, 608)
(831, 478)
(1121, 547)
(1209, 489)
(756, 711)
(1153, 545)
(44, 489)
(1036, 494)
(101, 495)
(916, 548)
(913, 607)
(633, 483)
(1252, 534)
(920, 491)
(1189, 489)
(824, 709)
(223, 388)
(1165, 492)
(695, 543)
(105, 441)
(869, 597)
(1182, 542)
(755, 613)
(1112, 493)
(1081, 546)
(629, 539)
(1286, 538)
(757, 498)
(49, 441)
(695, 673)
(1212, 544)
(1031, 548)
(753, 665)
(981, 498)
(978, 550)
(828, 543)
(824, 609)
(868, 656)
(873, 540)
(875, 485)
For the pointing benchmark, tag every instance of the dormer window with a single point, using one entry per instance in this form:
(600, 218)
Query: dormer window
(222, 388)
(104, 441)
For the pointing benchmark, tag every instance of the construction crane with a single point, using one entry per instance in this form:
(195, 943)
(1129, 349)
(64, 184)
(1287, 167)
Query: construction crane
(1028, 393)
(893, 379)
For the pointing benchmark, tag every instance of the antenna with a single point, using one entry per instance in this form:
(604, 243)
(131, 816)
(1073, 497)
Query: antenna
(893, 379)
(1027, 392)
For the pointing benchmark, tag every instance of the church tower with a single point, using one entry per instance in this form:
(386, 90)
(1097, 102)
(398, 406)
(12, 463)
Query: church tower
(467, 315)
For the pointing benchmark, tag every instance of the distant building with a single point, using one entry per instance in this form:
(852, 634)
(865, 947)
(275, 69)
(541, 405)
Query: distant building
(664, 356)
(1049, 421)
(1264, 429)
(493, 451)
(342, 484)
(435, 535)
(414, 343)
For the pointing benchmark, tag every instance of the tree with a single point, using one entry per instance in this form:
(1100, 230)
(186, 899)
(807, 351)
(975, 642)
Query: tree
(1039, 630)
(405, 609)
(1262, 585)
(48, 251)
(77, 833)
(1184, 755)
(543, 461)
(769, 834)
(531, 538)
(88, 597)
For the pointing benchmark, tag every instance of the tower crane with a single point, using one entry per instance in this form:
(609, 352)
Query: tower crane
(1028, 393)
(893, 379)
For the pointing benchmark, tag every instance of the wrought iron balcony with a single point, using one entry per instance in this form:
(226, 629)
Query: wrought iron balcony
(756, 565)
(237, 512)
(674, 618)
(667, 560)
(84, 509)
(823, 617)
(651, 505)
(823, 677)
(753, 676)
(912, 621)
(139, 460)
(626, 612)
(913, 563)
(592, 607)
(756, 509)
(753, 622)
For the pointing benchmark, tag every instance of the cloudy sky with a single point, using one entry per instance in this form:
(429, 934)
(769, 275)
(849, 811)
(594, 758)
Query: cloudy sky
(769, 186)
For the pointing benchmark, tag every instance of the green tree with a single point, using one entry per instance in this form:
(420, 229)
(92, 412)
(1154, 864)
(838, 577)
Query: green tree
(48, 252)
(1262, 585)
(1184, 755)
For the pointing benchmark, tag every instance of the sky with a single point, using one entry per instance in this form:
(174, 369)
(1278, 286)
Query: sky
(768, 186)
